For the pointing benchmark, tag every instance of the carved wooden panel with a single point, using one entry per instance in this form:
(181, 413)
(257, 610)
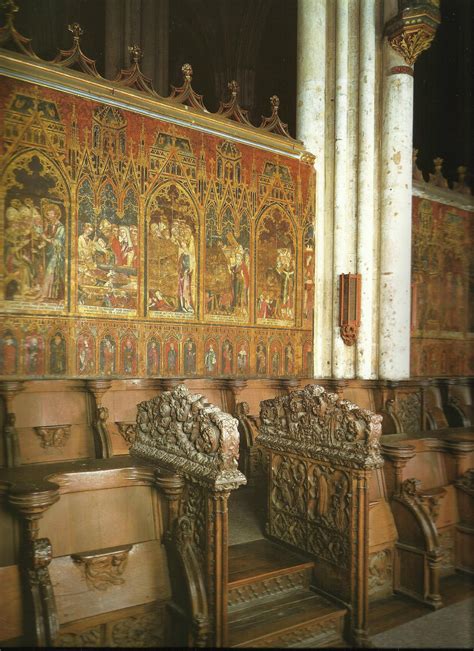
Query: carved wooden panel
(380, 573)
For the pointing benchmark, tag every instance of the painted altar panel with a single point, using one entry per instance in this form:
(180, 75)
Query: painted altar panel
(442, 290)
(136, 247)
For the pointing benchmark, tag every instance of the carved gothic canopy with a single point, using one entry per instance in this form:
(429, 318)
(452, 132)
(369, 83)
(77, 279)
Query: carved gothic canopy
(314, 423)
(183, 433)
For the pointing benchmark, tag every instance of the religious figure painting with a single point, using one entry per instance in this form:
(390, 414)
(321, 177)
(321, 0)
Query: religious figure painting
(243, 357)
(108, 355)
(35, 234)
(261, 358)
(129, 355)
(227, 364)
(85, 353)
(227, 270)
(57, 354)
(275, 268)
(107, 249)
(172, 264)
(9, 353)
(275, 358)
(189, 356)
(153, 356)
(113, 220)
(34, 354)
(308, 358)
(210, 357)
(171, 356)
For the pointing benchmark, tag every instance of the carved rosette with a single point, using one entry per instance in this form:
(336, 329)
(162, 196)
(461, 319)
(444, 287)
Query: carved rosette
(412, 31)
(321, 426)
(190, 436)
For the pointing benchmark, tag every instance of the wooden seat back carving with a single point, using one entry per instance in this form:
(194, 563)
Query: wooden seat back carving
(195, 446)
(322, 451)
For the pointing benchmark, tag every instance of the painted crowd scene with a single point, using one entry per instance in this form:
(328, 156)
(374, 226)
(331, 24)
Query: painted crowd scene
(133, 246)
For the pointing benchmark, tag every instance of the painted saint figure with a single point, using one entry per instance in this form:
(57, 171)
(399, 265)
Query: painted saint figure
(55, 238)
(153, 357)
(57, 352)
(172, 358)
(210, 359)
(189, 357)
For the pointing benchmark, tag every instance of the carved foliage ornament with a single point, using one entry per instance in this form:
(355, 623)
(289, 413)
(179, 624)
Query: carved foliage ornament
(53, 436)
(187, 434)
(319, 425)
(103, 570)
(413, 30)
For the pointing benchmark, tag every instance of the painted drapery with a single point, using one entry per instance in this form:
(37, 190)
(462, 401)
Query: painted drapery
(133, 246)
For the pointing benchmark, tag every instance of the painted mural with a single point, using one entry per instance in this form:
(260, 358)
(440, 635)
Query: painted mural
(442, 290)
(135, 247)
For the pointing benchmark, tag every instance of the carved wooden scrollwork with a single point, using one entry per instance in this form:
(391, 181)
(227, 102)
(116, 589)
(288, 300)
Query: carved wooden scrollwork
(128, 431)
(184, 433)
(320, 425)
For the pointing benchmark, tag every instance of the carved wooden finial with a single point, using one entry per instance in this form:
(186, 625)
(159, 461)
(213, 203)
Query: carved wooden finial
(437, 178)
(416, 172)
(234, 88)
(136, 53)
(187, 71)
(8, 33)
(273, 123)
(9, 7)
(461, 184)
(185, 94)
(275, 103)
(76, 30)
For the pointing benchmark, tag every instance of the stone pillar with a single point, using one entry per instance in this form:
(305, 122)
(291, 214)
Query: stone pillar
(409, 32)
(367, 194)
(313, 129)
(346, 53)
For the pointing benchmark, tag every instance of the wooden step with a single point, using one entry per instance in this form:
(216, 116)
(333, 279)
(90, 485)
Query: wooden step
(261, 570)
(298, 618)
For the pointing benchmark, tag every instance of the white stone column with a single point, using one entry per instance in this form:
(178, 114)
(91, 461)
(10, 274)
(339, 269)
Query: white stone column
(312, 129)
(346, 52)
(367, 193)
(396, 196)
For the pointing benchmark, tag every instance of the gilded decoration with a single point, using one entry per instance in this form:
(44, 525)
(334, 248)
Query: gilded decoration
(442, 281)
(136, 247)
(412, 31)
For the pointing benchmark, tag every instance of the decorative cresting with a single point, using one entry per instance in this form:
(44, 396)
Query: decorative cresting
(185, 434)
(322, 450)
(315, 423)
(413, 29)
(195, 446)
(133, 77)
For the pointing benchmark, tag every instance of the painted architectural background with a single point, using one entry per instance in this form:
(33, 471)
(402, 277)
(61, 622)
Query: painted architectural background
(442, 290)
(134, 247)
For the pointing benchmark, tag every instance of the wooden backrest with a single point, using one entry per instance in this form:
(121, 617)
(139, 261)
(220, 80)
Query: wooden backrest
(195, 447)
(322, 451)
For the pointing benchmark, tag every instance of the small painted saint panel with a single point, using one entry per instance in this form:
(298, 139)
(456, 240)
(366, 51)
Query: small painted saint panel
(108, 355)
(275, 358)
(85, 353)
(34, 354)
(129, 354)
(210, 357)
(172, 243)
(261, 358)
(107, 250)
(171, 356)
(276, 268)
(153, 356)
(227, 358)
(243, 357)
(289, 361)
(9, 353)
(57, 354)
(189, 356)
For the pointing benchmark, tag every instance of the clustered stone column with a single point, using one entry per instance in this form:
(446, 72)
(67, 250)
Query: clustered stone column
(363, 171)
